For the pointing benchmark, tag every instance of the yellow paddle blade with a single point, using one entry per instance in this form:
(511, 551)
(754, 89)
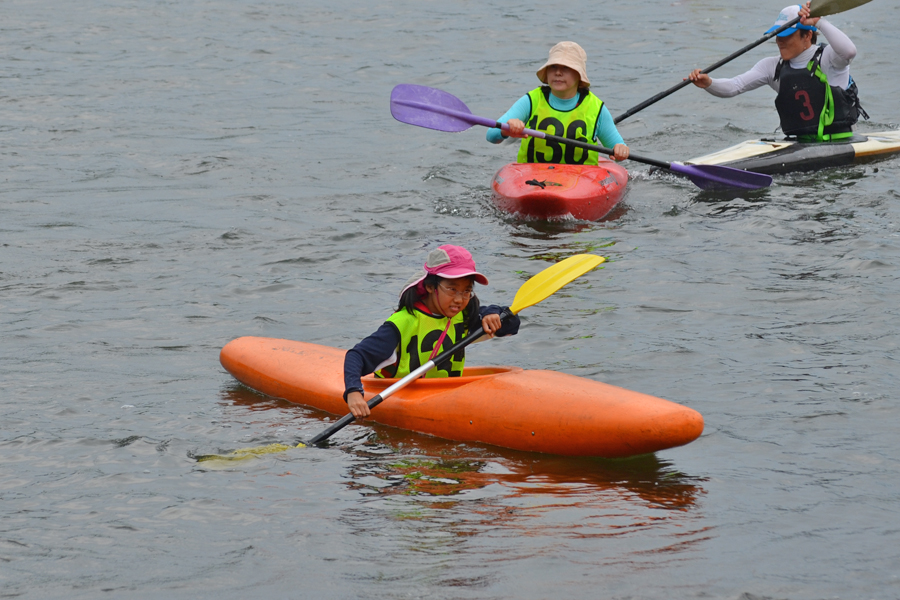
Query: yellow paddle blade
(245, 453)
(548, 281)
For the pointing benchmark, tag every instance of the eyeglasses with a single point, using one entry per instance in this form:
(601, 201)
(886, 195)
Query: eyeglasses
(465, 295)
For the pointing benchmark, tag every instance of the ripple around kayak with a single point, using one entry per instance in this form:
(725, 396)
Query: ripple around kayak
(551, 191)
(532, 410)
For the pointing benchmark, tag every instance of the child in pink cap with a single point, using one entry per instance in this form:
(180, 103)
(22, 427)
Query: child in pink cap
(438, 307)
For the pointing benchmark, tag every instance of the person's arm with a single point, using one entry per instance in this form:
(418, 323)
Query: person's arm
(762, 73)
(509, 327)
(609, 135)
(607, 132)
(521, 110)
(363, 359)
(841, 49)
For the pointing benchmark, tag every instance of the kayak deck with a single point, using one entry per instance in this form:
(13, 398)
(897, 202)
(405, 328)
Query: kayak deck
(531, 410)
(553, 191)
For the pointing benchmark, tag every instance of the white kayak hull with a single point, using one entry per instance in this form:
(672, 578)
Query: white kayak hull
(784, 156)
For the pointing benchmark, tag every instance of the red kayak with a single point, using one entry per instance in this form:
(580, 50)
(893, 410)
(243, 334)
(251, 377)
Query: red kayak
(549, 191)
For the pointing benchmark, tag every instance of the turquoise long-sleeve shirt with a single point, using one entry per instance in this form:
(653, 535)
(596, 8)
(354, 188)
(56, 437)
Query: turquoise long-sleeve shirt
(606, 128)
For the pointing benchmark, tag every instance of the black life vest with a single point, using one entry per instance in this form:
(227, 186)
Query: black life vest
(808, 106)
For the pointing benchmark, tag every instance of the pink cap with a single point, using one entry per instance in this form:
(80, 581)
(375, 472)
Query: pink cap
(453, 262)
(449, 262)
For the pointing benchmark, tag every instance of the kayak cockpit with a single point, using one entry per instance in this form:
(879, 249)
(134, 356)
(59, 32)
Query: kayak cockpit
(437, 384)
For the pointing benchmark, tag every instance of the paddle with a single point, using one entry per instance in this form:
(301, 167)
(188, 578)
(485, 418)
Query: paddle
(436, 109)
(818, 8)
(538, 288)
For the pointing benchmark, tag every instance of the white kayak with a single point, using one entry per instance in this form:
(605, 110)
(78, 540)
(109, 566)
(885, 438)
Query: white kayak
(771, 156)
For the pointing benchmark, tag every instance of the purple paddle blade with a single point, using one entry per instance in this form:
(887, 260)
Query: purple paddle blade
(717, 177)
(430, 107)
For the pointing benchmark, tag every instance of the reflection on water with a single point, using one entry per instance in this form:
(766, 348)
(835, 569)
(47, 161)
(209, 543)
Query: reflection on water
(236, 394)
(732, 197)
(544, 229)
(609, 497)
(448, 470)
(485, 505)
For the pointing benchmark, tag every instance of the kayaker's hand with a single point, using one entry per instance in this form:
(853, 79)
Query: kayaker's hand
(803, 13)
(490, 324)
(620, 151)
(701, 80)
(516, 127)
(358, 405)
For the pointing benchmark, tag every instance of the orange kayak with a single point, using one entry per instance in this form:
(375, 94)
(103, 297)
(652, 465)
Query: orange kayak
(532, 410)
(549, 191)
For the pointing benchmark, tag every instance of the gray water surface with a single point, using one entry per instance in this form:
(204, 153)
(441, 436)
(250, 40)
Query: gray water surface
(176, 175)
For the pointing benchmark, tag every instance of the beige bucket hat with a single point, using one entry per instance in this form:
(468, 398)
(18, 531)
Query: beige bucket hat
(568, 54)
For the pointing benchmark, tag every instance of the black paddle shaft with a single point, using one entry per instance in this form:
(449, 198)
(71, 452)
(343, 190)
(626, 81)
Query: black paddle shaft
(440, 359)
(708, 69)
(643, 159)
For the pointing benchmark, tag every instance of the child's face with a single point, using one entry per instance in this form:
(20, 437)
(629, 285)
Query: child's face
(453, 295)
(562, 80)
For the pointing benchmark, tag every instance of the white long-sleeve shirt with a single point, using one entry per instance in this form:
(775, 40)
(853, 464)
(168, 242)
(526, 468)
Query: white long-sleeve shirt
(835, 64)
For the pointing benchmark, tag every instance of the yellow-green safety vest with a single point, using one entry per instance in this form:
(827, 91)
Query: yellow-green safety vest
(580, 124)
(418, 334)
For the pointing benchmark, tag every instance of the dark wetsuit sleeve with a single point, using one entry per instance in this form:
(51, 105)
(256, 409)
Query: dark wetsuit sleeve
(509, 327)
(368, 354)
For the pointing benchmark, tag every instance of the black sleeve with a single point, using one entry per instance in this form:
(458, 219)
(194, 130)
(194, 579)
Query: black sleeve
(368, 354)
(509, 327)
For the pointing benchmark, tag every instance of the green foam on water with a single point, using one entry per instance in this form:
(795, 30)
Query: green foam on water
(247, 453)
